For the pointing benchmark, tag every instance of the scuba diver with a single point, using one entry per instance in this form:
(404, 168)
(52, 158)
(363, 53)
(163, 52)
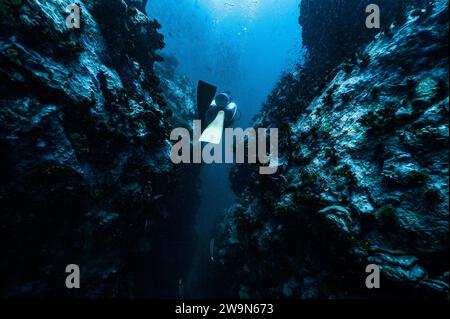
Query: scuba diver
(217, 112)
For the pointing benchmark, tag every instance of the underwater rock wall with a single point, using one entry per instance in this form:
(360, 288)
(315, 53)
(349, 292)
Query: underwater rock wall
(330, 24)
(84, 144)
(333, 33)
(363, 175)
(165, 270)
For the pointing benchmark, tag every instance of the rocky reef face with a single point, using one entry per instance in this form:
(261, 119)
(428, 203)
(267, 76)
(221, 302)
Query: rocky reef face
(363, 175)
(330, 24)
(84, 143)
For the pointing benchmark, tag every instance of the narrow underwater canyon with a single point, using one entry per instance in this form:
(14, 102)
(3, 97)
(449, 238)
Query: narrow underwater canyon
(85, 121)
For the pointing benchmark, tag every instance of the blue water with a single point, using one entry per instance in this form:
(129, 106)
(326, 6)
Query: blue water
(241, 46)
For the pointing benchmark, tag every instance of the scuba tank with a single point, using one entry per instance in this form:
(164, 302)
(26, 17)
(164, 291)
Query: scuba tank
(222, 102)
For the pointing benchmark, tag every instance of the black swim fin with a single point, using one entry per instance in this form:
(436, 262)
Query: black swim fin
(205, 95)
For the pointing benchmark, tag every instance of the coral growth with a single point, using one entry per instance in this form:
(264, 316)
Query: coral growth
(364, 137)
(84, 129)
